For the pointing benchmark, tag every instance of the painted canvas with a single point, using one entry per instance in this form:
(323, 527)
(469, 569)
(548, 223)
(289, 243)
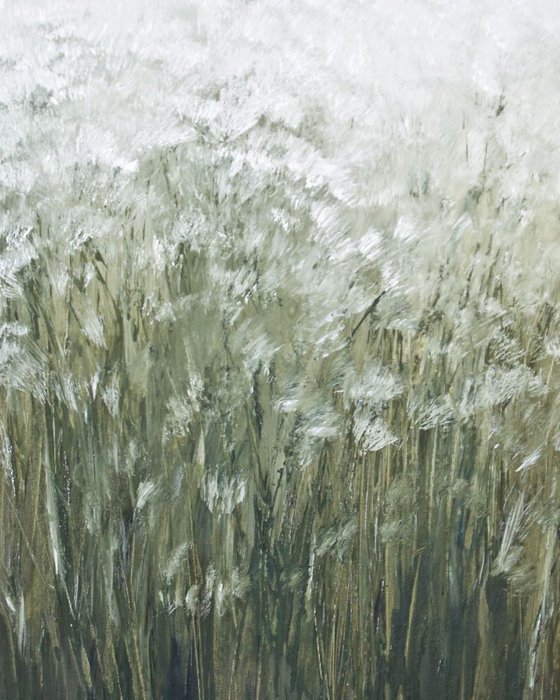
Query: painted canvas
(279, 333)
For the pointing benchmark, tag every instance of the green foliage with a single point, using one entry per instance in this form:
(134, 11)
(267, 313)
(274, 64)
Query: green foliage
(278, 356)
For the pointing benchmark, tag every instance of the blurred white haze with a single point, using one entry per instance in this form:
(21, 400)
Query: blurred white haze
(279, 334)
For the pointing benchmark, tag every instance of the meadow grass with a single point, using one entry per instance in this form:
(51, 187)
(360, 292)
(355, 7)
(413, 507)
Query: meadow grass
(278, 384)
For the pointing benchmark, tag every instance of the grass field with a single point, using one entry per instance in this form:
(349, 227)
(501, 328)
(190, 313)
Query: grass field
(279, 341)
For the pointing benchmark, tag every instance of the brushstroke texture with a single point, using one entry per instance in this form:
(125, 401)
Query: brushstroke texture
(279, 392)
